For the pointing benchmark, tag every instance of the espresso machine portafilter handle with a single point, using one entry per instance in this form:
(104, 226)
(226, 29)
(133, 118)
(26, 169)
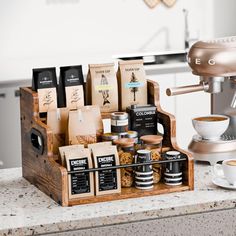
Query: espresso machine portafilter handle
(186, 89)
(213, 60)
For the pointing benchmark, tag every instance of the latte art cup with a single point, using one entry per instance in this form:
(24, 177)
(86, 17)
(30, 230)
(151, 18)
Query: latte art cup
(227, 170)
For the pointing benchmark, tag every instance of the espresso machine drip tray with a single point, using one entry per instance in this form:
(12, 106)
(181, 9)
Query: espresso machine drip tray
(213, 151)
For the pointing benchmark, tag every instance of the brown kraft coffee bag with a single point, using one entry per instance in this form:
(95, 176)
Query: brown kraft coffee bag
(132, 84)
(102, 88)
(81, 127)
(57, 120)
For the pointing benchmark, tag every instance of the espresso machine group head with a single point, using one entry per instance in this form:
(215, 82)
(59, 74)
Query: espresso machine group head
(214, 61)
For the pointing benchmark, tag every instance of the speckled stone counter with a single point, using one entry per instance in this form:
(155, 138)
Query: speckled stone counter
(24, 210)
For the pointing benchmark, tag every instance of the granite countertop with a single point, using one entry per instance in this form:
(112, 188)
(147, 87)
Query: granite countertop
(26, 210)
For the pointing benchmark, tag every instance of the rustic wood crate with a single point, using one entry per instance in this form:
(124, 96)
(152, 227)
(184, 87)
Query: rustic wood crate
(40, 167)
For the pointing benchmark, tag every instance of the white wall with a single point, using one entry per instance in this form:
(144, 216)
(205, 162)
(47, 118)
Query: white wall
(61, 32)
(224, 18)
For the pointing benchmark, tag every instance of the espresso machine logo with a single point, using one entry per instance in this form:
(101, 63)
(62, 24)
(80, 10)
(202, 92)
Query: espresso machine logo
(199, 61)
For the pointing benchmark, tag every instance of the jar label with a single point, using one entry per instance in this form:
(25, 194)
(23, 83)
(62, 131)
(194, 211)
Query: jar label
(119, 122)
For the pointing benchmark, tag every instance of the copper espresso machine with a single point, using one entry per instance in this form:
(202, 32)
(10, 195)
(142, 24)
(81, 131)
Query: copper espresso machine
(215, 62)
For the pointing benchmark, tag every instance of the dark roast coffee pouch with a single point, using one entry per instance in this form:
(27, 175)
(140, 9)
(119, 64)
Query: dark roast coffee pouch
(80, 184)
(107, 181)
(102, 89)
(132, 83)
(45, 83)
(71, 87)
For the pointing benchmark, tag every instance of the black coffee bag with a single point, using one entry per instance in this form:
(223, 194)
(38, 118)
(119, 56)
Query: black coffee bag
(71, 87)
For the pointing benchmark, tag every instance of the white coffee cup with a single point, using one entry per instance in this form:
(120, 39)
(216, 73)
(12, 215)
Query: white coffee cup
(227, 170)
(211, 127)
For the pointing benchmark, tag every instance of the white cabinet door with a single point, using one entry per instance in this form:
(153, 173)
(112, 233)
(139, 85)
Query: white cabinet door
(165, 81)
(10, 138)
(189, 106)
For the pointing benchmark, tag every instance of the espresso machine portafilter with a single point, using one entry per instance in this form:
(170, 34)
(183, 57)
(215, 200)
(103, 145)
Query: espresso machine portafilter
(214, 61)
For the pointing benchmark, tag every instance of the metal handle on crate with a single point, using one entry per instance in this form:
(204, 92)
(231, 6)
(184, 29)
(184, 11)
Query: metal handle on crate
(36, 140)
(127, 165)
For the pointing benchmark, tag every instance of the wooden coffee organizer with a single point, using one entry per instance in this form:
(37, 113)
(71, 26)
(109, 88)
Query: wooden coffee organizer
(40, 166)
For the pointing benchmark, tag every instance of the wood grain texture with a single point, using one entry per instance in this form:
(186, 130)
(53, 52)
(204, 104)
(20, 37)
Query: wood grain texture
(132, 192)
(169, 139)
(40, 170)
(51, 178)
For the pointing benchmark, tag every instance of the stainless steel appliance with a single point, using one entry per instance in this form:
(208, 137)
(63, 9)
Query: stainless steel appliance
(215, 62)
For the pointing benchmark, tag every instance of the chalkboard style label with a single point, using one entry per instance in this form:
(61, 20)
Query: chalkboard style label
(45, 83)
(79, 181)
(107, 181)
(80, 184)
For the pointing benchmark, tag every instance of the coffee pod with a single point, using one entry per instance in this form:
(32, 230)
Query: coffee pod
(173, 183)
(144, 174)
(146, 185)
(143, 183)
(143, 178)
(173, 170)
(173, 180)
(144, 188)
(172, 167)
(143, 156)
(169, 175)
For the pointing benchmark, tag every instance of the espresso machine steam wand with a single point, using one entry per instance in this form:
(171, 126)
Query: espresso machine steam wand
(215, 62)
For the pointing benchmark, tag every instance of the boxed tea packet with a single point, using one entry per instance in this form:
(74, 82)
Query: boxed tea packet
(102, 88)
(106, 181)
(132, 83)
(45, 83)
(65, 149)
(71, 87)
(80, 184)
(81, 127)
(57, 120)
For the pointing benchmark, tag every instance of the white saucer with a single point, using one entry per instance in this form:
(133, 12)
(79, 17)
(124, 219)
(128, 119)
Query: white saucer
(222, 182)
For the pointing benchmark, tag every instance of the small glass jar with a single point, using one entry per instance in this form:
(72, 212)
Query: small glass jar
(154, 144)
(110, 137)
(126, 153)
(119, 122)
(132, 134)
